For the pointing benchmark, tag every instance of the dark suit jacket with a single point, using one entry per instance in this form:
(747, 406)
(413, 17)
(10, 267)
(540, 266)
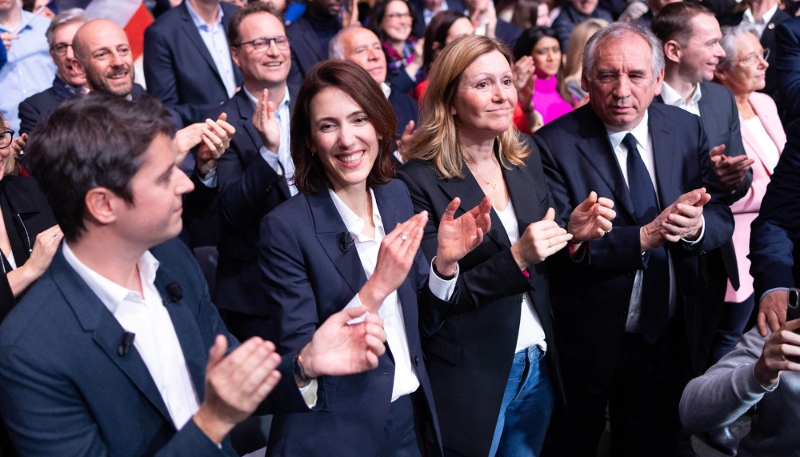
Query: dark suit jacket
(570, 17)
(64, 390)
(469, 356)
(250, 188)
(306, 48)
(787, 65)
(419, 27)
(591, 305)
(178, 66)
(308, 277)
(405, 108)
(774, 245)
(507, 33)
(35, 109)
(767, 41)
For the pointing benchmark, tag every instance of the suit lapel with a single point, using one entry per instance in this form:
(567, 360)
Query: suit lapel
(190, 30)
(471, 195)
(246, 113)
(753, 146)
(106, 331)
(521, 191)
(329, 228)
(596, 148)
(663, 158)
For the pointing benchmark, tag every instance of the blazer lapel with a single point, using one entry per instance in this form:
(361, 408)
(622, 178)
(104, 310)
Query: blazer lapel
(521, 191)
(190, 30)
(329, 228)
(246, 113)
(471, 195)
(106, 330)
(663, 158)
(753, 146)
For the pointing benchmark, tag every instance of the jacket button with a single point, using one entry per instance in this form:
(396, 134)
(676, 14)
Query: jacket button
(416, 360)
(623, 314)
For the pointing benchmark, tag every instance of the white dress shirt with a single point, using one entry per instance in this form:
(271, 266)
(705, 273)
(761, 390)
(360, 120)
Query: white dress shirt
(530, 327)
(672, 97)
(215, 39)
(427, 14)
(155, 341)
(761, 23)
(644, 143)
(281, 161)
(405, 375)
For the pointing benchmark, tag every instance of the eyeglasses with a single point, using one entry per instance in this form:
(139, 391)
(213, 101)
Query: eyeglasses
(398, 15)
(752, 58)
(5, 139)
(262, 44)
(61, 49)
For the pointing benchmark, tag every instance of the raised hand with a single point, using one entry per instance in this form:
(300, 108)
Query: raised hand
(592, 218)
(730, 170)
(236, 384)
(8, 38)
(539, 241)
(350, 15)
(781, 353)
(682, 219)
(772, 311)
(457, 237)
(216, 138)
(522, 71)
(405, 139)
(339, 348)
(44, 248)
(266, 123)
(395, 257)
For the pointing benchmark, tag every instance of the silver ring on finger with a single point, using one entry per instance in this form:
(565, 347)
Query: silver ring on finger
(403, 236)
(55, 236)
(549, 243)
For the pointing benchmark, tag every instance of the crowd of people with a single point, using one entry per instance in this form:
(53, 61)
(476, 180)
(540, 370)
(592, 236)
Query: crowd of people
(401, 228)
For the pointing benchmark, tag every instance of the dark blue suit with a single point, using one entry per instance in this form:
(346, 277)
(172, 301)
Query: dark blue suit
(306, 48)
(35, 109)
(787, 65)
(775, 234)
(249, 189)
(405, 108)
(591, 305)
(178, 66)
(64, 389)
(308, 277)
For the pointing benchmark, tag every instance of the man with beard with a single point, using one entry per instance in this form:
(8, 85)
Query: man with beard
(67, 83)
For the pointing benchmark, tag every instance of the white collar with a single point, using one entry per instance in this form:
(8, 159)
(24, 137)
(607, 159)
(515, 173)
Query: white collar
(354, 223)
(109, 292)
(198, 21)
(387, 91)
(748, 14)
(284, 100)
(672, 97)
(639, 132)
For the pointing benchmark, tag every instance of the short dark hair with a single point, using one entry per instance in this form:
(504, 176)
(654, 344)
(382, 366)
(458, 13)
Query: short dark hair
(674, 21)
(379, 10)
(251, 8)
(309, 174)
(436, 32)
(93, 141)
(527, 41)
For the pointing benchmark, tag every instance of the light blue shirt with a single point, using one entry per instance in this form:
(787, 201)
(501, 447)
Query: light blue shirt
(217, 44)
(282, 161)
(29, 69)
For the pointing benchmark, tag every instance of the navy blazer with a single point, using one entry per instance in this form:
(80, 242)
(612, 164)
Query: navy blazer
(405, 108)
(35, 109)
(470, 355)
(306, 48)
(508, 33)
(591, 305)
(787, 65)
(308, 277)
(775, 233)
(178, 67)
(64, 389)
(249, 189)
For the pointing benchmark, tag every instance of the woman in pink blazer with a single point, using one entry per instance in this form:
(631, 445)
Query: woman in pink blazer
(742, 71)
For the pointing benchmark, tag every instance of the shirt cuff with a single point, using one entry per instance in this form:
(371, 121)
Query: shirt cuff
(210, 180)
(355, 302)
(442, 288)
(309, 393)
(771, 290)
(271, 158)
(699, 238)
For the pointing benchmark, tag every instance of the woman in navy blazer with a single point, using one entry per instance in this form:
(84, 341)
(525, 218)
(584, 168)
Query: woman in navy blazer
(350, 236)
(491, 361)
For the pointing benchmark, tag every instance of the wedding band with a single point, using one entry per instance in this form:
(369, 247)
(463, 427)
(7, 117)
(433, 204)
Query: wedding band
(609, 230)
(549, 244)
(403, 236)
(448, 213)
(55, 236)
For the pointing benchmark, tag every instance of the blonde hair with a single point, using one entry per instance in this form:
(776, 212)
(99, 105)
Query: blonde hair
(577, 42)
(436, 140)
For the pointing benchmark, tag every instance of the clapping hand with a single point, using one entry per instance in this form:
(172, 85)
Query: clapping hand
(216, 138)
(682, 219)
(539, 241)
(458, 236)
(730, 170)
(592, 218)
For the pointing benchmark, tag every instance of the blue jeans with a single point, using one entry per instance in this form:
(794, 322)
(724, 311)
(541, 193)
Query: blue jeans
(526, 408)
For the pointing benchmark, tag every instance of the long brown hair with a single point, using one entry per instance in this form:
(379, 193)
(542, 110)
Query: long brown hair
(436, 140)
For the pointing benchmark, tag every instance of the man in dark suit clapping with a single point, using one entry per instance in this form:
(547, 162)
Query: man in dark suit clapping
(626, 325)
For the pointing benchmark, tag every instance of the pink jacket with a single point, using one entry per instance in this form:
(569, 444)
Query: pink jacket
(746, 209)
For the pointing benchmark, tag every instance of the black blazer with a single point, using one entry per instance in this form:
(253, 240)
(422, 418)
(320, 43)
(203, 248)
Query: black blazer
(767, 41)
(308, 277)
(306, 48)
(249, 189)
(405, 108)
(591, 305)
(470, 354)
(35, 109)
(774, 245)
(178, 67)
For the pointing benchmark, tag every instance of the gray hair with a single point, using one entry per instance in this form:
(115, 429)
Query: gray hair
(336, 48)
(728, 42)
(63, 18)
(619, 30)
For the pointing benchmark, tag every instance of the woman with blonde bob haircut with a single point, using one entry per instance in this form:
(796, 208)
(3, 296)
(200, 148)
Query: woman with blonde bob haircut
(573, 66)
(492, 358)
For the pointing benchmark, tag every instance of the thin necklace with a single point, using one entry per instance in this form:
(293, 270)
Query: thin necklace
(494, 185)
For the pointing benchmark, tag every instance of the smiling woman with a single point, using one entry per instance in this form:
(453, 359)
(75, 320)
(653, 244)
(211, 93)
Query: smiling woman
(393, 21)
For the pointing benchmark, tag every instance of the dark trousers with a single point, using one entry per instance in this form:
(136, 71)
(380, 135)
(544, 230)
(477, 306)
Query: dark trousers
(642, 400)
(402, 437)
(245, 326)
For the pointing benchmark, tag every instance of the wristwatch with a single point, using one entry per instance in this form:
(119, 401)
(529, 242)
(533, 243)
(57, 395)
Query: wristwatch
(793, 298)
(297, 368)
